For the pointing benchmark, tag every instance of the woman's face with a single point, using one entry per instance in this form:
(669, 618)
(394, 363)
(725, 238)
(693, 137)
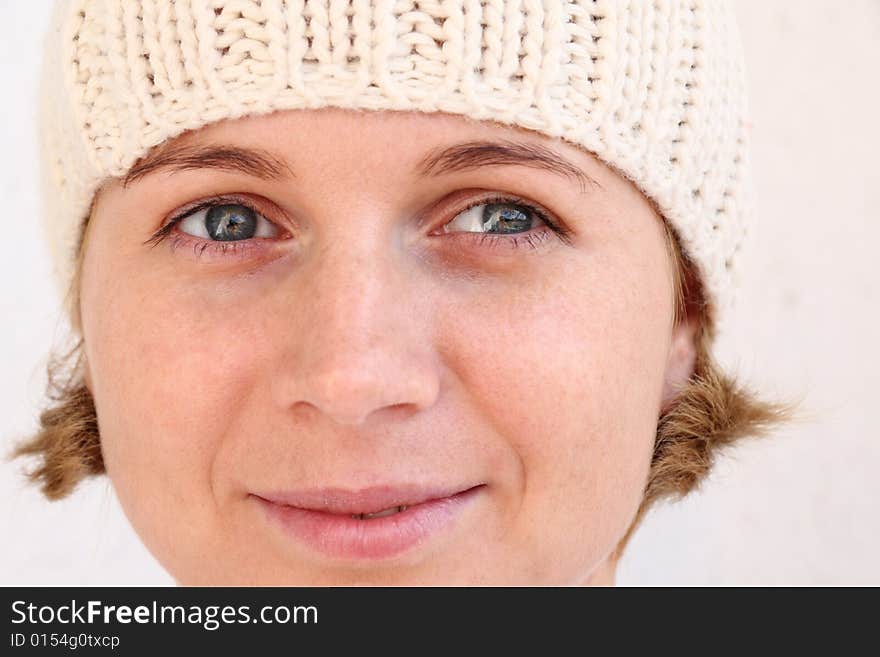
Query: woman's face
(374, 317)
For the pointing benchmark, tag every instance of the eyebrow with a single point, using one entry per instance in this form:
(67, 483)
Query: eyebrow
(444, 160)
(476, 154)
(250, 161)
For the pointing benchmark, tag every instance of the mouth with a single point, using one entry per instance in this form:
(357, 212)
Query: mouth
(367, 524)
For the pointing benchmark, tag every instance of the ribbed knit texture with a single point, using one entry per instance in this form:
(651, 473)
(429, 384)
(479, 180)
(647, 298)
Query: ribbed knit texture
(653, 87)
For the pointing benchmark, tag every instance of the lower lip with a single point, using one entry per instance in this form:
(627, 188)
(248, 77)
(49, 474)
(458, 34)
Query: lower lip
(343, 537)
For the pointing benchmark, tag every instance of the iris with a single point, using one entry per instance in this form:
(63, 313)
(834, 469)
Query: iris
(506, 217)
(231, 222)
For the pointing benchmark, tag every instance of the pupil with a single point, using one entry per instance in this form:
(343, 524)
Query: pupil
(231, 222)
(505, 217)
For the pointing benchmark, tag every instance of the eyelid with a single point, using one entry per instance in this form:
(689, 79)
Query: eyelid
(224, 199)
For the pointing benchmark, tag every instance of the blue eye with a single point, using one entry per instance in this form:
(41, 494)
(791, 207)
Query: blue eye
(495, 218)
(502, 223)
(227, 222)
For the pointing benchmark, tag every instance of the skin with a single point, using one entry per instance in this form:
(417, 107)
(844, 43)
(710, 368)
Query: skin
(365, 347)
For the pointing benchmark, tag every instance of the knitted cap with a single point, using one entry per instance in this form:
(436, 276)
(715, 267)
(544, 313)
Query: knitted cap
(655, 89)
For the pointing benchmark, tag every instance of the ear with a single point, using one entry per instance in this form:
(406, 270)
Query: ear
(682, 359)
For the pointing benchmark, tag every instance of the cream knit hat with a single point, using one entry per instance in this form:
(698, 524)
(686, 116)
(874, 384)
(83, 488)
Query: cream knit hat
(654, 88)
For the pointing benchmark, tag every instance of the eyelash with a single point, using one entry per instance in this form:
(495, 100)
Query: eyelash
(532, 239)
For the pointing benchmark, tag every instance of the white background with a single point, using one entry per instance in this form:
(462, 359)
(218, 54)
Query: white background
(802, 507)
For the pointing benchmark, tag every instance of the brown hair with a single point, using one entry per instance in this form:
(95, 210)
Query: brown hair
(710, 412)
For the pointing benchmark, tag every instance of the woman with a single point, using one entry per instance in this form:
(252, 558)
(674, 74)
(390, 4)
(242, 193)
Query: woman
(393, 293)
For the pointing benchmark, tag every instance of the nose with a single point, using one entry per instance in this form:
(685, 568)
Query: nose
(360, 342)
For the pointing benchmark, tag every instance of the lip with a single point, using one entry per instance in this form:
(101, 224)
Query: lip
(321, 519)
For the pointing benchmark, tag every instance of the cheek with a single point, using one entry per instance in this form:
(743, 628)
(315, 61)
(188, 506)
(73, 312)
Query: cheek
(170, 372)
(571, 376)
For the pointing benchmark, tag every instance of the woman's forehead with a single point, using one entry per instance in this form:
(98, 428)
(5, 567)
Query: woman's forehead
(271, 145)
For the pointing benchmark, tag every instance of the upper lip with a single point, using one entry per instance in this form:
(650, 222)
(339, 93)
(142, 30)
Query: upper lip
(364, 500)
